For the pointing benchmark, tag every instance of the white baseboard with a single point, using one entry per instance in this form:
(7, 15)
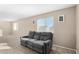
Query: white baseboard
(64, 47)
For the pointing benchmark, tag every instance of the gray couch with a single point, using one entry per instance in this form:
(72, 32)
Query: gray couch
(38, 41)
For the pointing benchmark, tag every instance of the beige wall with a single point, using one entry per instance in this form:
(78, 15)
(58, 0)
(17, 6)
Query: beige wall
(6, 27)
(77, 29)
(64, 32)
(24, 27)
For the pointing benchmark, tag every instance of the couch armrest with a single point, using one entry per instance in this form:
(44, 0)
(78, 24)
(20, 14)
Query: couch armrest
(47, 47)
(47, 41)
(24, 37)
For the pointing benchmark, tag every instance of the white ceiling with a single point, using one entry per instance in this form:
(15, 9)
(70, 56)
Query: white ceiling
(15, 12)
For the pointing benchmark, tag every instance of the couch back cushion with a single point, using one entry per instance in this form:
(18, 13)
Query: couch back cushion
(46, 36)
(31, 34)
(36, 36)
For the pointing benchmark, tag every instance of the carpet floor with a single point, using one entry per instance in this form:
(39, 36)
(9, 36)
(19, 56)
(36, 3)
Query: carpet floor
(5, 48)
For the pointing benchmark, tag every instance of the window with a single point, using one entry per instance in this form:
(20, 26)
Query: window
(45, 24)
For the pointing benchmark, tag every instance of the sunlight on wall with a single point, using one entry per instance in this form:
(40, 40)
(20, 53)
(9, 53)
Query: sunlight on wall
(15, 26)
(1, 33)
(4, 46)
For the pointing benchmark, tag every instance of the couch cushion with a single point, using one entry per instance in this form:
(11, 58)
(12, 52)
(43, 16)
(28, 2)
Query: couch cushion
(46, 36)
(31, 34)
(38, 42)
(36, 36)
(35, 41)
(46, 33)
